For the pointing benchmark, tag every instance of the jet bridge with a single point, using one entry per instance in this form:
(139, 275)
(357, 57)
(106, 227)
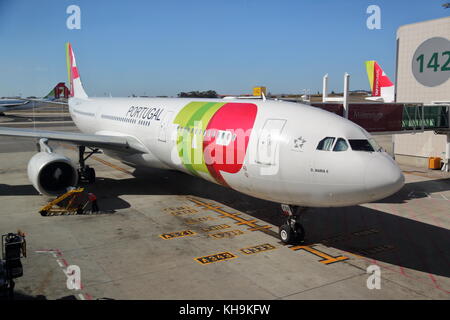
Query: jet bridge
(397, 118)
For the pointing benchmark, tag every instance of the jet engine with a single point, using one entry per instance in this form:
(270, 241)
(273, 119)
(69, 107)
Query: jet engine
(51, 173)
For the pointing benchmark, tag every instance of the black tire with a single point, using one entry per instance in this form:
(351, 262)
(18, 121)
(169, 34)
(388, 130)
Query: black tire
(90, 172)
(285, 233)
(299, 232)
(43, 213)
(80, 177)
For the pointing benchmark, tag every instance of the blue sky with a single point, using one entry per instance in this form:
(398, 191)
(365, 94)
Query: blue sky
(164, 47)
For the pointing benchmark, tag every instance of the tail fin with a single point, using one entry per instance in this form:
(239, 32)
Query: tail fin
(58, 92)
(380, 84)
(76, 88)
(377, 78)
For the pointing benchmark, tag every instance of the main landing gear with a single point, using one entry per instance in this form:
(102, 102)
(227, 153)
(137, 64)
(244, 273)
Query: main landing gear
(86, 173)
(292, 231)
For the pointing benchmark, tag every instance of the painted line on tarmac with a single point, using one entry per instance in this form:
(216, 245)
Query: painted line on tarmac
(215, 227)
(107, 163)
(198, 220)
(257, 249)
(177, 234)
(218, 257)
(251, 224)
(178, 211)
(326, 258)
(227, 234)
(63, 264)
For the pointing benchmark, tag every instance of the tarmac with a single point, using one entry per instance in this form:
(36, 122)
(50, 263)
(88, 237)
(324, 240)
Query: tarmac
(167, 235)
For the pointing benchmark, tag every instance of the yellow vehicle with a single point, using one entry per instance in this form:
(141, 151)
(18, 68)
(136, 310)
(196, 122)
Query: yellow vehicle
(72, 205)
(257, 91)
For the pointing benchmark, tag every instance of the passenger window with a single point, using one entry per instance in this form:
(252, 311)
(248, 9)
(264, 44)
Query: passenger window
(341, 145)
(326, 144)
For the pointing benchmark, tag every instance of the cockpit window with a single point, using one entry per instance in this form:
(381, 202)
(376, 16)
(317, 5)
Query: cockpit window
(375, 145)
(361, 145)
(341, 145)
(326, 144)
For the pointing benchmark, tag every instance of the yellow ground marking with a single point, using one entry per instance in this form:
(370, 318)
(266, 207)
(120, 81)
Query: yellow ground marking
(326, 259)
(260, 228)
(107, 163)
(226, 234)
(356, 255)
(246, 222)
(198, 220)
(177, 234)
(258, 248)
(177, 211)
(232, 215)
(223, 256)
(216, 227)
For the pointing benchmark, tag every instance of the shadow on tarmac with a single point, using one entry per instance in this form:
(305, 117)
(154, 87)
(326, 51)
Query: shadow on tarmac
(393, 239)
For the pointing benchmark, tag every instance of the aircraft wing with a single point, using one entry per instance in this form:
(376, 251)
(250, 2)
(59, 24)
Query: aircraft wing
(14, 104)
(43, 100)
(125, 144)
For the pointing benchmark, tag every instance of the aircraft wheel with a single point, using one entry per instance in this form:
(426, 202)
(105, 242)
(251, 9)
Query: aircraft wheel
(43, 213)
(286, 234)
(90, 175)
(299, 232)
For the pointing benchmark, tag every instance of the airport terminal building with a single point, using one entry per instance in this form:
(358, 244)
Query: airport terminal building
(422, 76)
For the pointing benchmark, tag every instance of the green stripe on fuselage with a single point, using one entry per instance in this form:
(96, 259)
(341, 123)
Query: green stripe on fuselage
(194, 116)
(69, 71)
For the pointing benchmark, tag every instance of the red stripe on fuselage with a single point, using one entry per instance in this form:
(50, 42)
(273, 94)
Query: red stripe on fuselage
(238, 120)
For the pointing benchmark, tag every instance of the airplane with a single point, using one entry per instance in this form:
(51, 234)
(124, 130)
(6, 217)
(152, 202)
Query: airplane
(293, 154)
(58, 92)
(383, 90)
(7, 104)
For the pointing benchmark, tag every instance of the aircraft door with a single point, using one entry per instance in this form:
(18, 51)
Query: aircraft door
(268, 142)
(163, 129)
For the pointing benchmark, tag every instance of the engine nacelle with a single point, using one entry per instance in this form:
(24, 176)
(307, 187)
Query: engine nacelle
(51, 173)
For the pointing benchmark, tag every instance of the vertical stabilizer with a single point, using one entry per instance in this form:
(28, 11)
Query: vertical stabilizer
(380, 84)
(58, 92)
(76, 87)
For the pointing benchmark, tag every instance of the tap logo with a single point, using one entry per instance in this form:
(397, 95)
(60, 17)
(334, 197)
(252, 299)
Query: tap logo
(213, 137)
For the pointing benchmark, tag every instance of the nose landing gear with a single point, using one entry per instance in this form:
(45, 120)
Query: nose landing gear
(292, 231)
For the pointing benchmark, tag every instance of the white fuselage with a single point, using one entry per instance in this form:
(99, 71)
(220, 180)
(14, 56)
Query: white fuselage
(281, 162)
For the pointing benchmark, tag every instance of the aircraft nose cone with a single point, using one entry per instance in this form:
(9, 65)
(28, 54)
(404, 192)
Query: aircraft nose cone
(383, 178)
